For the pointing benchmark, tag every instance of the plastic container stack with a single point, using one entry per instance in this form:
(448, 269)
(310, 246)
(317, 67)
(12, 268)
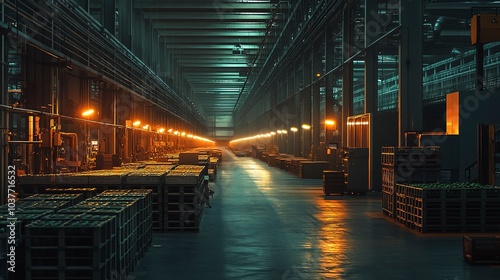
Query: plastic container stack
(455, 207)
(151, 177)
(71, 247)
(26, 211)
(184, 198)
(213, 164)
(333, 182)
(132, 210)
(406, 165)
(33, 184)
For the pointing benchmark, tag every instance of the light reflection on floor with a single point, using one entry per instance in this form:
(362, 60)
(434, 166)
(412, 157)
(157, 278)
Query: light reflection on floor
(267, 224)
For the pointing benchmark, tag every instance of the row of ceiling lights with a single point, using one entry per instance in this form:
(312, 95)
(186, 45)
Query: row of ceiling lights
(281, 131)
(137, 125)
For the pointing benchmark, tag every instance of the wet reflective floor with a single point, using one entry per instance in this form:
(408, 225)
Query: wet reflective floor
(268, 224)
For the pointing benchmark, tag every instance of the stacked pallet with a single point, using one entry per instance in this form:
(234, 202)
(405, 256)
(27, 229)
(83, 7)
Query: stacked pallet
(85, 192)
(271, 159)
(26, 211)
(312, 169)
(203, 159)
(151, 177)
(282, 162)
(33, 184)
(216, 153)
(455, 207)
(333, 182)
(189, 158)
(481, 249)
(71, 247)
(132, 211)
(183, 198)
(73, 179)
(213, 164)
(295, 164)
(406, 165)
(107, 179)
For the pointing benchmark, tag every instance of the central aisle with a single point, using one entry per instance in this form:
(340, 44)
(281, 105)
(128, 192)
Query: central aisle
(268, 224)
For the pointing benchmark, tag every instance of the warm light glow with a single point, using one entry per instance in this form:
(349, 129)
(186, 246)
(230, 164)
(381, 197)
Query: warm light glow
(161, 130)
(358, 123)
(136, 123)
(273, 133)
(306, 126)
(294, 129)
(176, 132)
(170, 130)
(279, 131)
(284, 131)
(88, 112)
(318, 74)
(329, 122)
(453, 109)
(183, 134)
(145, 126)
(190, 136)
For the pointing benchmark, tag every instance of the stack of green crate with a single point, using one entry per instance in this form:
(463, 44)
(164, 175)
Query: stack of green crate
(132, 210)
(183, 197)
(406, 165)
(454, 207)
(151, 177)
(71, 247)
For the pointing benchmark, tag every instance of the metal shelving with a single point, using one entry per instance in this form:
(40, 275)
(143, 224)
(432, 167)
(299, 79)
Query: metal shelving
(72, 37)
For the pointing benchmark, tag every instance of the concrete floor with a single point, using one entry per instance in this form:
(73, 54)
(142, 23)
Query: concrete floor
(268, 224)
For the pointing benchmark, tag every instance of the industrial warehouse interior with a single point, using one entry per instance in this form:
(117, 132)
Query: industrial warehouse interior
(249, 139)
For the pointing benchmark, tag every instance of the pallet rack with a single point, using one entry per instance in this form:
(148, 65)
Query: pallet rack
(184, 190)
(333, 182)
(448, 210)
(68, 246)
(151, 177)
(406, 165)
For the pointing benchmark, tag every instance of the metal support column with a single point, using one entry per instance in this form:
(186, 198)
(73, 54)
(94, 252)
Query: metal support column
(137, 38)
(316, 119)
(371, 56)
(410, 68)
(155, 53)
(347, 72)
(329, 82)
(479, 67)
(318, 72)
(147, 43)
(108, 14)
(124, 22)
(306, 119)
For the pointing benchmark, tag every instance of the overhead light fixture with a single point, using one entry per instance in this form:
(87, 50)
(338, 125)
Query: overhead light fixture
(329, 122)
(87, 112)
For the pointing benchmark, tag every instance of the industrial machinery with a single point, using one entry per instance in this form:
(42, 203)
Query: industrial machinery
(355, 163)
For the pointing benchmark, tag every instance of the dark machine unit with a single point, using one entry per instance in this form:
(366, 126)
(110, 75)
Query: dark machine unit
(356, 170)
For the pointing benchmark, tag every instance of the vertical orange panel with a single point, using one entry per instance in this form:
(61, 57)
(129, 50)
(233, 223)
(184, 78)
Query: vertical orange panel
(452, 113)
